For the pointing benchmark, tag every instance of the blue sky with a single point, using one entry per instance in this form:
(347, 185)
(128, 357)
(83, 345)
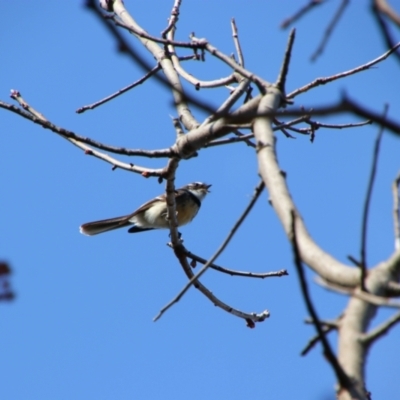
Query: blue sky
(81, 325)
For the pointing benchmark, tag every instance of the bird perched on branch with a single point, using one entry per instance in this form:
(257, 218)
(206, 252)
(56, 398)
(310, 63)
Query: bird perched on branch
(153, 214)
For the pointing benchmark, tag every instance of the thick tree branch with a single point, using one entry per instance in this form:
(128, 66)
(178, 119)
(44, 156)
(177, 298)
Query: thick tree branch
(396, 211)
(321, 262)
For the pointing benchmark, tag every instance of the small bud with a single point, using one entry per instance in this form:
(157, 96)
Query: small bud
(15, 93)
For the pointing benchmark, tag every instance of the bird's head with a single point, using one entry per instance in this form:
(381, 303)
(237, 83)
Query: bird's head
(199, 189)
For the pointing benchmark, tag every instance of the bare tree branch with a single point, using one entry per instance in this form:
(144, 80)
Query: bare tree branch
(250, 318)
(120, 91)
(302, 11)
(261, 84)
(315, 339)
(171, 80)
(259, 188)
(162, 153)
(365, 296)
(281, 80)
(384, 8)
(396, 211)
(231, 272)
(341, 376)
(149, 74)
(173, 19)
(329, 29)
(325, 80)
(224, 108)
(378, 8)
(76, 140)
(320, 261)
(237, 43)
(375, 334)
(363, 250)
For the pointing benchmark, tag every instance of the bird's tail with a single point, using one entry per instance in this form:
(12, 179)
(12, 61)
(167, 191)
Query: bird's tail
(96, 227)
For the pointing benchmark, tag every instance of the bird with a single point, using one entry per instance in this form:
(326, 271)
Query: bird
(153, 214)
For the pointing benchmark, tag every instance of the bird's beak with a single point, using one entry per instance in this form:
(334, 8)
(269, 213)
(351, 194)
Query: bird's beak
(207, 187)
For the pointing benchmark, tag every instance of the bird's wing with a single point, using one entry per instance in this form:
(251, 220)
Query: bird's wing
(146, 206)
(161, 198)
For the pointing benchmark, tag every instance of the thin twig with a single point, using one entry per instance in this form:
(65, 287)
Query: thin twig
(282, 126)
(353, 260)
(328, 323)
(173, 19)
(383, 27)
(38, 118)
(339, 126)
(370, 337)
(355, 292)
(237, 43)
(298, 14)
(328, 352)
(250, 318)
(243, 137)
(364, 226)
(247, 274)
(125, 47)
(281, 81)
(346, 105)
(120, 91)
(224, 108)
(129, 87)
(145, 35)
(325, 80)
(329, 29)
(261, 84)
(315, 339)
(67, 134)
(259, 188)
